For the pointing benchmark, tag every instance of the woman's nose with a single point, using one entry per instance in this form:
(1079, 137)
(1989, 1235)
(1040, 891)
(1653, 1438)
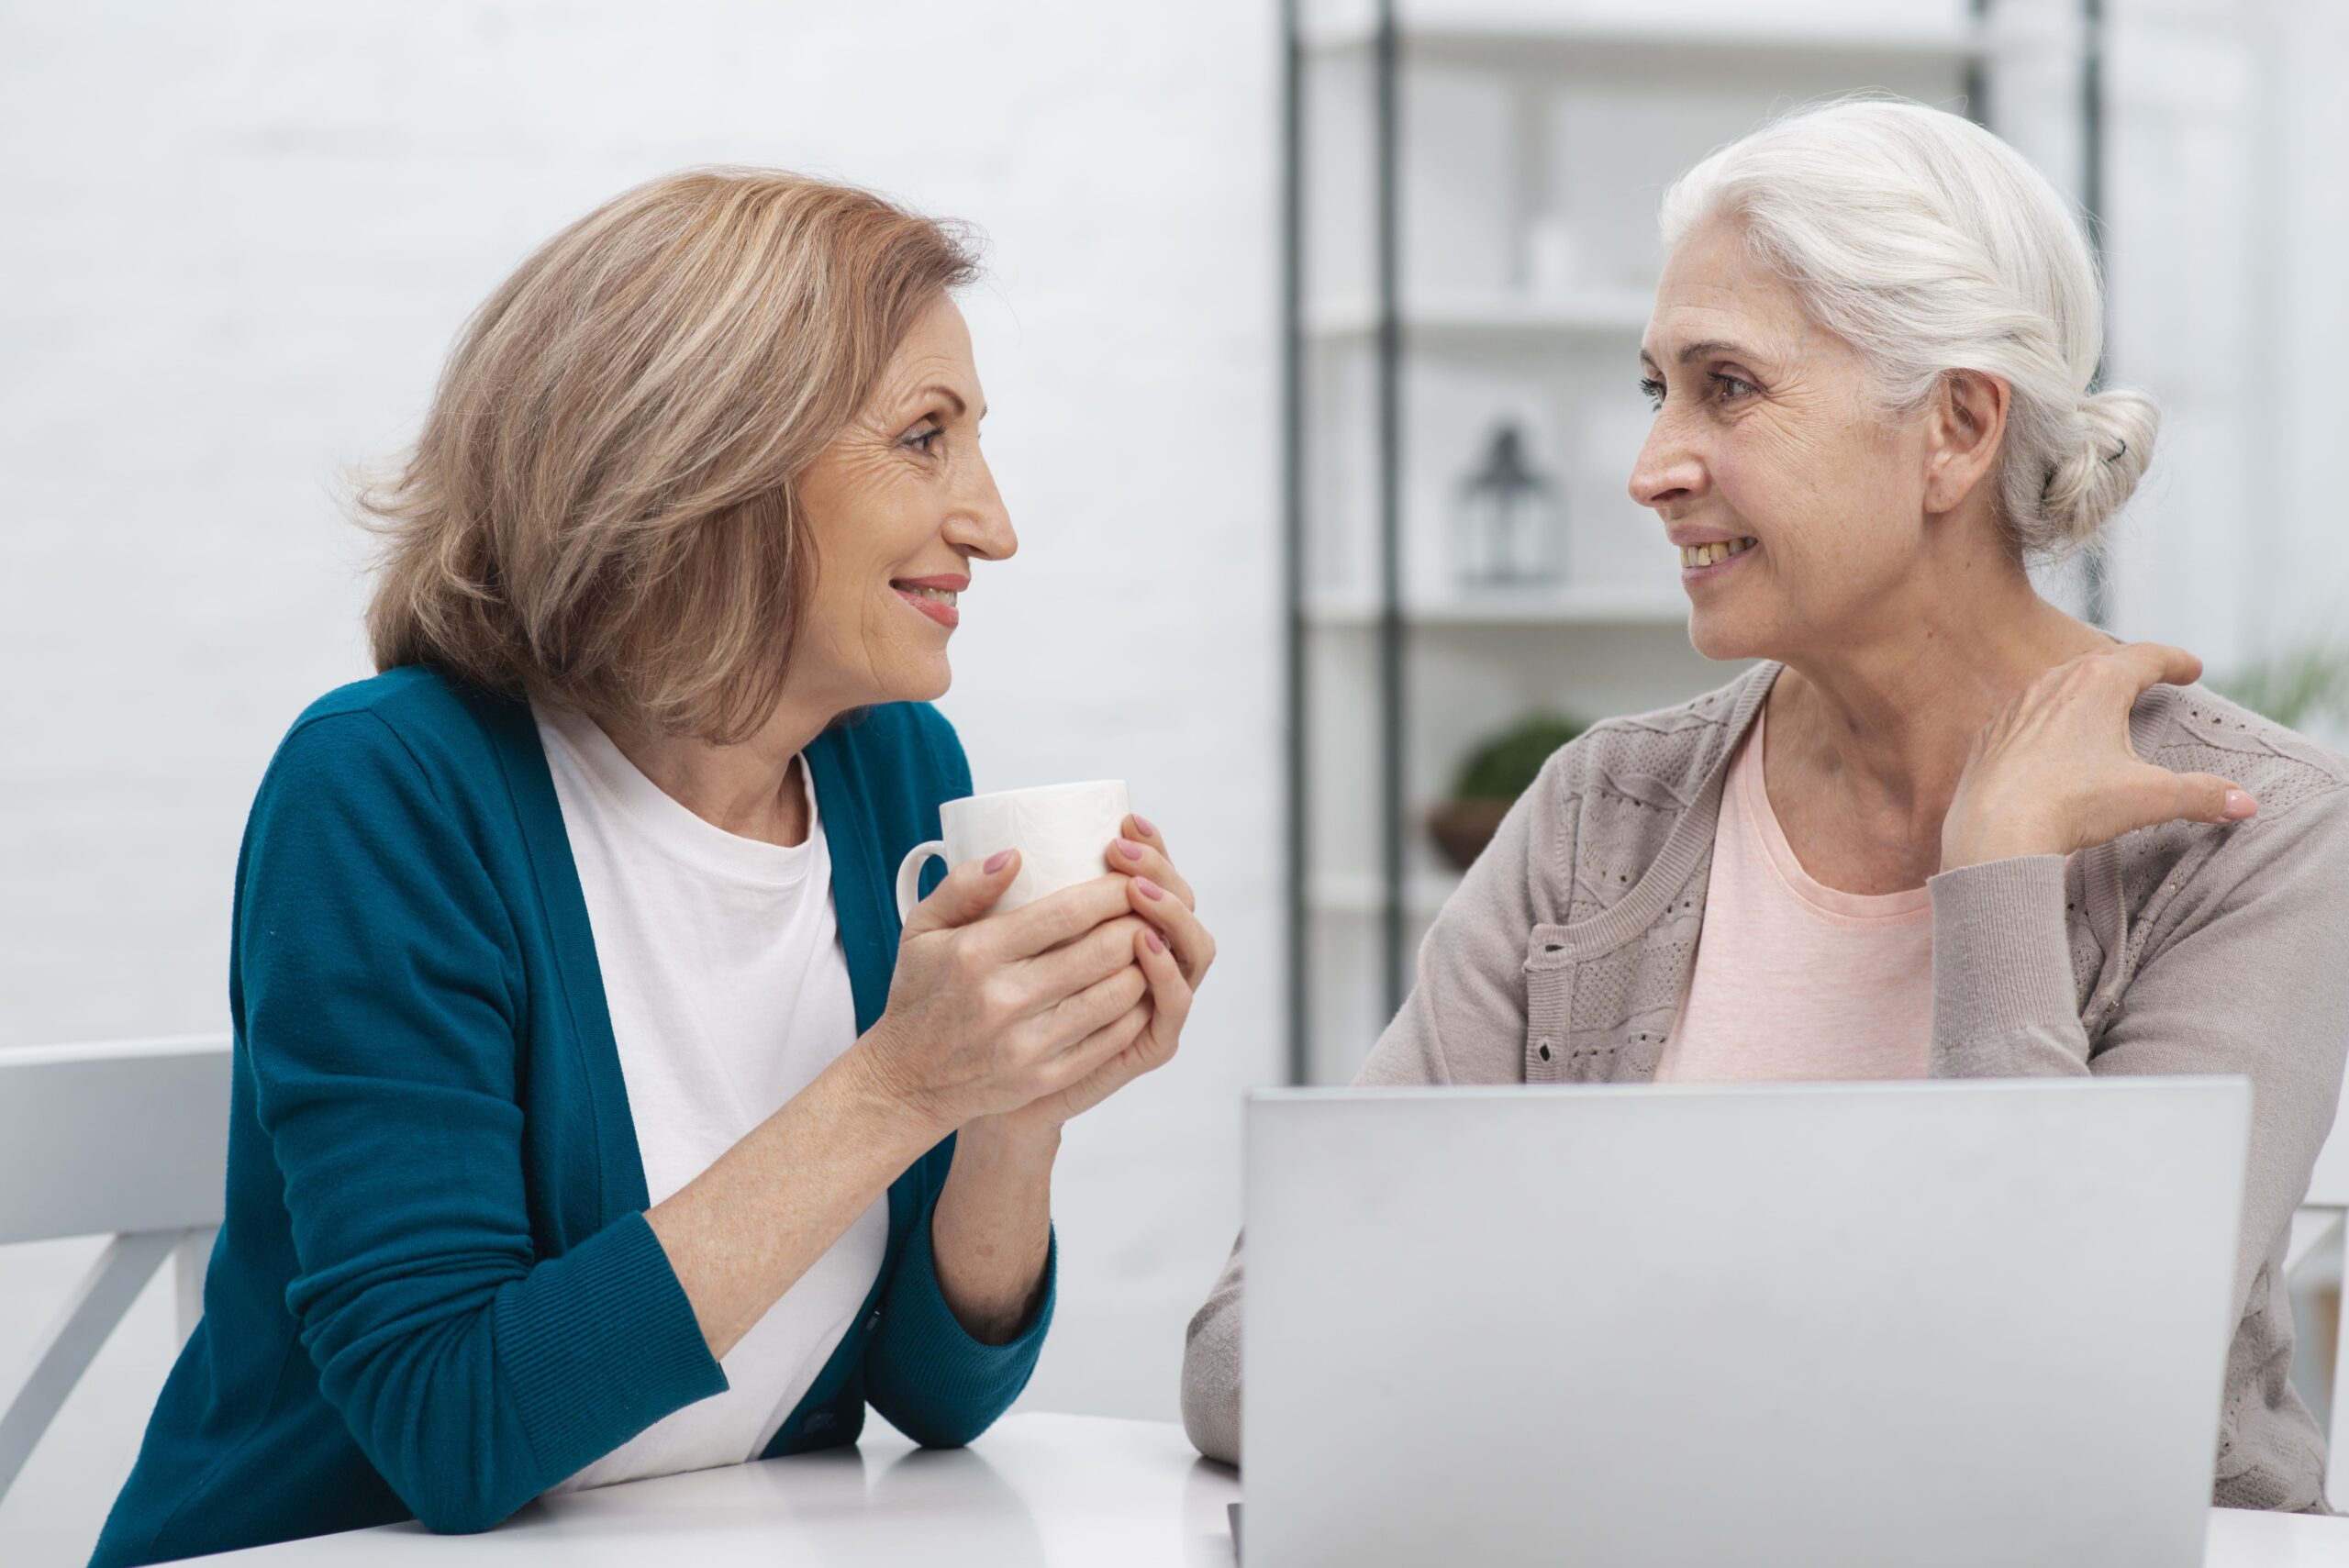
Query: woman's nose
(981, 524)
(1667, 469)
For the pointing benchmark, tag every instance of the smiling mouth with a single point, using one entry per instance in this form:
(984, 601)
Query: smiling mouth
(1694, 556)
(939, 604)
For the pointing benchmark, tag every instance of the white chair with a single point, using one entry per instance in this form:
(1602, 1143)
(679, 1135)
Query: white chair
(2320, 1232)
(128, 1139)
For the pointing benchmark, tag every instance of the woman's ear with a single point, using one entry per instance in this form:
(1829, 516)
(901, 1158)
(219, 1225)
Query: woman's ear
(1966, 425)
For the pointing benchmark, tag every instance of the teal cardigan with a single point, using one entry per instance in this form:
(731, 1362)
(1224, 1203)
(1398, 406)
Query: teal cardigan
(435, 1293)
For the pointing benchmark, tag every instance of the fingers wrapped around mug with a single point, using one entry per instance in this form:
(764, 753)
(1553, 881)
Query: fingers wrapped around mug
(1141, 850)
(968, 892)
(1053, 920)
(1170, 995)
(1177, 923)
(1073, 1025)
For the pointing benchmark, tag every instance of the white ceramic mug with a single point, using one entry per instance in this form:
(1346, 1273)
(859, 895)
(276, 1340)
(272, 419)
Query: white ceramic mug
(1061, 831)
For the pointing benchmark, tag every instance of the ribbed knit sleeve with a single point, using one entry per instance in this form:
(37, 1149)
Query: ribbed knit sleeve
(2003, 1005)
(381, 986)
(924, 1372)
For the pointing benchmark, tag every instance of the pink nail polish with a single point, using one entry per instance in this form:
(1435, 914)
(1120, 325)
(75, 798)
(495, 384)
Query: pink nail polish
(1142, 827)
(997, 861)
(2239, 805)
(1149, 888)
(1157, 942)
(1128, 848)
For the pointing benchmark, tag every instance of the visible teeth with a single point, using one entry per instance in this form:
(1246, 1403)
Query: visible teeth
(944, 595)
(1695, 555)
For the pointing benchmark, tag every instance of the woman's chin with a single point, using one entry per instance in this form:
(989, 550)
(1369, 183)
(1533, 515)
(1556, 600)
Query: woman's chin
(920, 679)
(1725, 637)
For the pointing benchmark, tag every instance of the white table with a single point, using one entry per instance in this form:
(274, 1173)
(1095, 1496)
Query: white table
(1036, 1490)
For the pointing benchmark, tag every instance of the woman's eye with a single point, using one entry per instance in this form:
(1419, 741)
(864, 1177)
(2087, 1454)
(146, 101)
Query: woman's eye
(922, 438)
(1653, 391)
(1733, 386)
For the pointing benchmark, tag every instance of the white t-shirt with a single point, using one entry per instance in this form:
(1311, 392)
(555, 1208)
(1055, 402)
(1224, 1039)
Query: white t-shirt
(728, 993)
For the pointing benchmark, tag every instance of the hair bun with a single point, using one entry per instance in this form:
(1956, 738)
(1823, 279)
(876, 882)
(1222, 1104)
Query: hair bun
(2113, 443)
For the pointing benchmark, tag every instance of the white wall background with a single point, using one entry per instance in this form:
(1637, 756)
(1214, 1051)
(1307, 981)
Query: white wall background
(235, 241)
(2230, 219)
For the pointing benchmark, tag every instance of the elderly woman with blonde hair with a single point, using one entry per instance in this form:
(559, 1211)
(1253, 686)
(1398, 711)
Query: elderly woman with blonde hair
(1942, 829)
(593, 1116)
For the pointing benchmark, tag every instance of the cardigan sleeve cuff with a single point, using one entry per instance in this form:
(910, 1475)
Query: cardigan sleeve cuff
(927, 1375)
(2002, 967)
(600, 1343)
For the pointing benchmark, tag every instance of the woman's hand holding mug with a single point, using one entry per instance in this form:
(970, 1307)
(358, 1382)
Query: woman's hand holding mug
(2053, 771)
(1075, 984)
(989, 1016)
(1174, 952)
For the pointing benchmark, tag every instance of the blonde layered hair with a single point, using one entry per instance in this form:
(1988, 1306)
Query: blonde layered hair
(600, 509)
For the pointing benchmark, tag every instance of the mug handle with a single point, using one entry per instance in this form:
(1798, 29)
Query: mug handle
(909, 875)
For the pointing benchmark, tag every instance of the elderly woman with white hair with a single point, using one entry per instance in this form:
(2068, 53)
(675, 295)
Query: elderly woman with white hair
(1943, 829)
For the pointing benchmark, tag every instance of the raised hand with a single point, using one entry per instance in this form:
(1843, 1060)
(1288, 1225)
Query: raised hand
(2054, 772)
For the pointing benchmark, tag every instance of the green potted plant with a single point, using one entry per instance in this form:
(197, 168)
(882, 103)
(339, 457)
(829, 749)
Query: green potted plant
(2303, 683)
(1491, 778)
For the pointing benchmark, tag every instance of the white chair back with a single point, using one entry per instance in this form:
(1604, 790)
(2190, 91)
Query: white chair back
(2329, 1183)
(2321, 1229)
(127, 1139)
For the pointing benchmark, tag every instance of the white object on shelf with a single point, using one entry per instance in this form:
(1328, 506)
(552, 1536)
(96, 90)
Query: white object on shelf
(1459, 182)
(1550, 255)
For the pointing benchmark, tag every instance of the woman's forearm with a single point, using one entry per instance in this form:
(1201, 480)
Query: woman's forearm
(991, 1233)
(743, 1231)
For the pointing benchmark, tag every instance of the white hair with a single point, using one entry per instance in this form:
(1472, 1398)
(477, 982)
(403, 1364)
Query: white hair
(1930, 247)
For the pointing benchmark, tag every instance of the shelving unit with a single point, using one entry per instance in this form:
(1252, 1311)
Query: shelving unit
(1470, 244)
(1604, 313)
(1365, 896)
(1600, 40)
(1608, 604)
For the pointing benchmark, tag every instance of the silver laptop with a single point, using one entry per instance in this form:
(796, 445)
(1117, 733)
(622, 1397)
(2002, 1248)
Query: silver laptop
(1914, 1324)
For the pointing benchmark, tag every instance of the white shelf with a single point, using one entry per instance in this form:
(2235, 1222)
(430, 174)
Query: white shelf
(1607, 313)
(1364, 893)
(1589, 604)
(1599, 43)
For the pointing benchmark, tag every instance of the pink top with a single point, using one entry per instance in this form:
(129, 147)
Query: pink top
(1795, 979)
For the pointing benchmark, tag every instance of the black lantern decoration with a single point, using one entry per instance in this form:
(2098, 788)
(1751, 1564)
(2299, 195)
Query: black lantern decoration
(1510, 526)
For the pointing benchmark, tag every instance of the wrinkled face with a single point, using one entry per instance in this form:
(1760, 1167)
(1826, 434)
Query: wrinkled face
(900, 505)
(1796, 504)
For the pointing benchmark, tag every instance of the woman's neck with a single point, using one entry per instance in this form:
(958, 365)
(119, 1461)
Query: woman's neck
(751, 788)
(1875, 733)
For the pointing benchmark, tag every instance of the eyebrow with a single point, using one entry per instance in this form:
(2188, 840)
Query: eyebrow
(1699, 351)
(949, 395)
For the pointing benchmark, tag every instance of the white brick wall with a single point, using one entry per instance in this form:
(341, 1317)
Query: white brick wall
(237, 240)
